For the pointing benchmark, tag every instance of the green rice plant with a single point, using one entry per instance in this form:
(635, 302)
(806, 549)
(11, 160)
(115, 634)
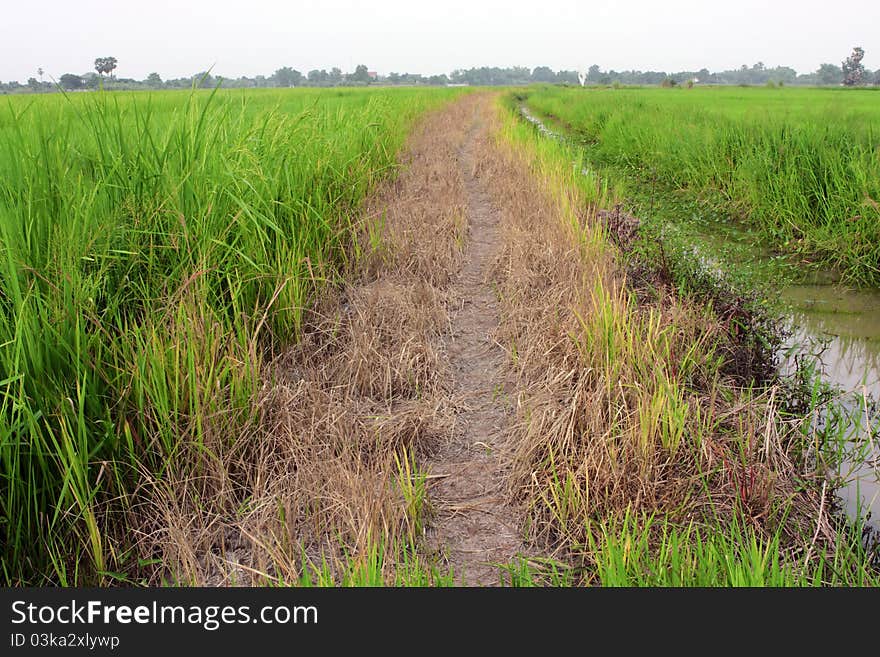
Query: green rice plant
(410, 570)
(413, 486)
(800, 164)
(155, 250)
(648, 551)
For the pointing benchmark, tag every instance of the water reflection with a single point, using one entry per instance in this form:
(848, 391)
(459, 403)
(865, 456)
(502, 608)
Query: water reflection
(842, 328)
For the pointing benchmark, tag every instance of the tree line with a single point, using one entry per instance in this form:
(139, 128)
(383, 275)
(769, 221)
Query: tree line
(851, 72)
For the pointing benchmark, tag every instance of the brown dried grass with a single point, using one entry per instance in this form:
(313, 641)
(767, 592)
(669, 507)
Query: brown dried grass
(314, 479)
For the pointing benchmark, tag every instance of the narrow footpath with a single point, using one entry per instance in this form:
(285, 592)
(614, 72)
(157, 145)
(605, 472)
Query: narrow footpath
(475, 529)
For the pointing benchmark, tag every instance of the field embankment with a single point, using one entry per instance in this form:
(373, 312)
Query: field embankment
(643, 453)
(476, 529)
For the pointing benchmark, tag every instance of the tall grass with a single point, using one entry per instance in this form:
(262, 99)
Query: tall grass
(153, 250)
(650, 551)
(802, 164)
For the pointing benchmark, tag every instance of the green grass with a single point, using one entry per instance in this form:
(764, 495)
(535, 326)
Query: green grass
(154, 250)
(801, 165)
(649, 551)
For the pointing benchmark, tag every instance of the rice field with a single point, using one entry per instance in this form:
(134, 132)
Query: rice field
(800, 166)
(231, 339)
(156, 249)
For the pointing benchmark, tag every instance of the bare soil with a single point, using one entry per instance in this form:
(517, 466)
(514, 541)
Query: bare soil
(476, 529)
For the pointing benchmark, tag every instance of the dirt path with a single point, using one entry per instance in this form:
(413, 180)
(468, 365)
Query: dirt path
(398, 361)
(475, 528)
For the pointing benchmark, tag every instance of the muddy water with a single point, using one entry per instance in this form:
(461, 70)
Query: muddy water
(850, 321)
(838, 329)
(841, 327)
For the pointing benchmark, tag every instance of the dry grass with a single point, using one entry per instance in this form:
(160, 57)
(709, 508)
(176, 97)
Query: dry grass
(322, 473)
(622, 406)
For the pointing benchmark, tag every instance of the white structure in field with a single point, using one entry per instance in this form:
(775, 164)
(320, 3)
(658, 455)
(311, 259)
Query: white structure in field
(582, 78)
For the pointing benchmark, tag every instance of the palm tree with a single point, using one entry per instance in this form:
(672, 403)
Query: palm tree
(105, 65)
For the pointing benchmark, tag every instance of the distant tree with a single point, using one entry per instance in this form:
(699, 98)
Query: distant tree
(807, 78)
(335, 76)
(438, 80)
(543, 74)
(361, 74)
(154, 81)
(40, 72)
(318, 78)
(71, 82)
(410, 78)
(105, 65)
(394, 78)
(852, 68)
(33, 84)
(784, 74)
(877, 78)
(594, 73)
(286, 77)
(204, 80)
(829, 74)
(570, 77)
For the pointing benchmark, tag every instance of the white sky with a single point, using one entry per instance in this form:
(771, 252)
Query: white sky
(249, 37)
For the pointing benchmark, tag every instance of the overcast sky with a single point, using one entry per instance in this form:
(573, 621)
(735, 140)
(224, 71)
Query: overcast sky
(177, 38)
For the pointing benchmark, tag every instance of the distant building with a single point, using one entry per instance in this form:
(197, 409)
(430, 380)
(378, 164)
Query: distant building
(373, 75)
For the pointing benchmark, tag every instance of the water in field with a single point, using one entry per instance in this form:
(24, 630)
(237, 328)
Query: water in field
(538, 123)
(850, 321)
(834, 327)
(840, 328)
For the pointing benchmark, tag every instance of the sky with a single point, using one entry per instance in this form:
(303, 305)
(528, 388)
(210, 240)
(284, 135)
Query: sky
(178, 38)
